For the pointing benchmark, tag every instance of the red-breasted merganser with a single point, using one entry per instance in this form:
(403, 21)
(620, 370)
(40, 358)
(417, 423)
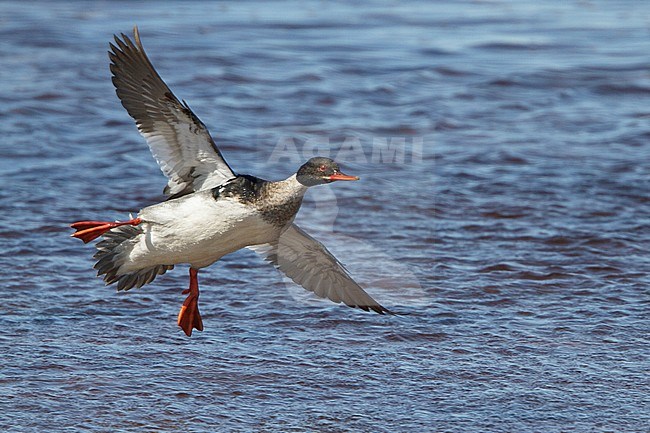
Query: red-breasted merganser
(211, 211)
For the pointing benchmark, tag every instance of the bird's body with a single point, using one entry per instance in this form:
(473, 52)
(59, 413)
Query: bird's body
(211, 210)
(202, 227)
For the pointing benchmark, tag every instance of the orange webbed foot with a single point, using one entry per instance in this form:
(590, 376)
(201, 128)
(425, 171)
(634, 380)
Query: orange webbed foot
(189, 317)
(90, 230)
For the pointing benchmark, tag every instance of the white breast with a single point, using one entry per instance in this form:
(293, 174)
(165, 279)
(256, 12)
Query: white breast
(197, 229)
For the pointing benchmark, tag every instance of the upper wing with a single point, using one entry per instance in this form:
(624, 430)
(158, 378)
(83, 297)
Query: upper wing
(178, 140)
(308, 263)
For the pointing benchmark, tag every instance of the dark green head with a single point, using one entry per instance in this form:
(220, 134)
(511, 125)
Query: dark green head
(320, 170)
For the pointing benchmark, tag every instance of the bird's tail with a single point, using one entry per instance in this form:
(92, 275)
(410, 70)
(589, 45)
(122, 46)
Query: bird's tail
(112, 253)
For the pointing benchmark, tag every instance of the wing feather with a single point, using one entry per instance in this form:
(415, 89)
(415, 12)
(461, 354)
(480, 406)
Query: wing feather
(178, 140)
(308, 263)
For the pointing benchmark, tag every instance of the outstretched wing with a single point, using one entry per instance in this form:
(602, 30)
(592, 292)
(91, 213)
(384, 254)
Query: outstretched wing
(179, 141)
(308, 263)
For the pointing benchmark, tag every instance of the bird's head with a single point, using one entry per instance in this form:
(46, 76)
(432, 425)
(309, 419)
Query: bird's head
(320, 170)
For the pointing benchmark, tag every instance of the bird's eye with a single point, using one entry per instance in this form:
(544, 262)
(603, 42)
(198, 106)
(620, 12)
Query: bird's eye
(322, 167)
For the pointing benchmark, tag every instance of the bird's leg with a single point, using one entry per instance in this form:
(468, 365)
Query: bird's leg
(189, 316)
(91, 230)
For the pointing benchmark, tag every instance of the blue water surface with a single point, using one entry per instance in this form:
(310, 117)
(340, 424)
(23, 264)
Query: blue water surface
(503, 211)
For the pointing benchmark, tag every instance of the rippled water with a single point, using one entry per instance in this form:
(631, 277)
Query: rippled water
(513, 233)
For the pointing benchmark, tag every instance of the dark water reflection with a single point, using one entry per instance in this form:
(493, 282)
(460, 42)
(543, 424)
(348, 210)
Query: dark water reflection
(515, 242)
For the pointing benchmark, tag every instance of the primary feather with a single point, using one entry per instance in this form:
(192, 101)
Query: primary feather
(178, 140)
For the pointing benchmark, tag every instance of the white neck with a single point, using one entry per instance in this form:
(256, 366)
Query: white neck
(291, 186)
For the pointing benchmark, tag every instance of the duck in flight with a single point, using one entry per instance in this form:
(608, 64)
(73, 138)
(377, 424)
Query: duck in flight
(210, 210)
